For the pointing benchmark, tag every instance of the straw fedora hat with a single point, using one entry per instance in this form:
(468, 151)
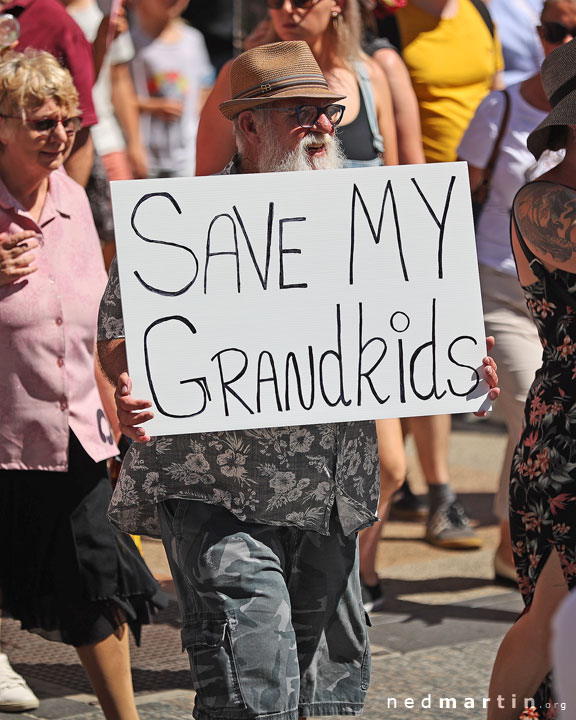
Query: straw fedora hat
(559, 80)
(272, 72)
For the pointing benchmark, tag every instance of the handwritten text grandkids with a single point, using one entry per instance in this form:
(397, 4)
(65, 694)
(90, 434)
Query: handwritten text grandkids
(265, 300)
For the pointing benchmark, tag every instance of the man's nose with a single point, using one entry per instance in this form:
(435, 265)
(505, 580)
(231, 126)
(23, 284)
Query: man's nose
(324, 125)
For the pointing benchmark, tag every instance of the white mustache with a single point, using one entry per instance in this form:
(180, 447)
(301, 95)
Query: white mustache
(316, 139)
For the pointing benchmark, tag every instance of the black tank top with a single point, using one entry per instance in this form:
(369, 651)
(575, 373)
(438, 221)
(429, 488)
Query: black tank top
(356, 137)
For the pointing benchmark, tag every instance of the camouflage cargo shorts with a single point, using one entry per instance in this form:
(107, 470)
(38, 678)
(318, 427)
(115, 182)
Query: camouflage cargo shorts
(272, 616)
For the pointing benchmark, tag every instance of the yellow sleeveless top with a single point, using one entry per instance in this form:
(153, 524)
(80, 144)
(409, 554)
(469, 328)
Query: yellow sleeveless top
(452, 63)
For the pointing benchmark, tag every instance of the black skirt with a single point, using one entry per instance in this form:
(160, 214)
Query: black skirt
(66, 573)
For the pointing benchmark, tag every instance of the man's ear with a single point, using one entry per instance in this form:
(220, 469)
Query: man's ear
(247, 127)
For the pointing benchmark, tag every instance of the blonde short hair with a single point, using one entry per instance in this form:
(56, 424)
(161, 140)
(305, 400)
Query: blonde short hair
(29, 79)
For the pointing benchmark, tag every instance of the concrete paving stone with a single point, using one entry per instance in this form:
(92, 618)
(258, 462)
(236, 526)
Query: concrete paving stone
(386, 618)
(64, 709)
(430, 571)
(437, 626)
(64, 677)
(177, 699)
(424, 626)
(150, 680)
(163, 711)
(459, 672)
(58, 709)
(380, 650)
(162, 665)
(183, 703)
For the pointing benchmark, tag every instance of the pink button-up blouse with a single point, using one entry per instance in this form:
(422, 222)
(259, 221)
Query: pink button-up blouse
(47, 331)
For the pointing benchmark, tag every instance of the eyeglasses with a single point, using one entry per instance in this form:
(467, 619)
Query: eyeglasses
(278, 4)
(46, 126)
(555, 32)
(308, 115)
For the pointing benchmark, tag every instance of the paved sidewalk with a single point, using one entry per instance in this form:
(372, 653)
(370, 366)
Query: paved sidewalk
(434, 642)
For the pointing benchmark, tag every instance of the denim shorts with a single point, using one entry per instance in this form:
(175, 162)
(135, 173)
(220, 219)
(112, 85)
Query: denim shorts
(272, 616)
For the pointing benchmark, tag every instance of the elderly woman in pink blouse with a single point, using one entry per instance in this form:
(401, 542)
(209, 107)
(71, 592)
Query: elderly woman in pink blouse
(65, 572)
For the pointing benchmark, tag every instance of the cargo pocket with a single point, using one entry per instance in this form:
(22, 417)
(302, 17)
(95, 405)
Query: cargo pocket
(209, 642)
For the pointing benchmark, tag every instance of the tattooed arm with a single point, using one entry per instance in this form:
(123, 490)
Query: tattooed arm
(546, 216)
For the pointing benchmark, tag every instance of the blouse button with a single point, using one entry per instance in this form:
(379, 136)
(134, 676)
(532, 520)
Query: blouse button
(63, 405)
(59, 321)
(60, 362)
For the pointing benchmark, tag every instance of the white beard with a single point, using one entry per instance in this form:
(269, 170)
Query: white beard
(273, 159)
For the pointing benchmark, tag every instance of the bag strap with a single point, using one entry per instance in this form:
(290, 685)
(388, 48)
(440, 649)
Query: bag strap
(368, 96)
(487, 174)
(480, 5)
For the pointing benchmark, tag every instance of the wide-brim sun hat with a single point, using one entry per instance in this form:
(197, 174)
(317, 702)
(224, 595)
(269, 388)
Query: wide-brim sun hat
(559, 81)
(271, 72)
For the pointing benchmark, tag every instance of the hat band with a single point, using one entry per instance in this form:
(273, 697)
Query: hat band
(282, 84)
(562, 91)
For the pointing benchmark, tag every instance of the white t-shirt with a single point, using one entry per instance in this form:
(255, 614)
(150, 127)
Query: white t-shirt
(107, 134)
(178, 71)
(516, 21)
(514, 167)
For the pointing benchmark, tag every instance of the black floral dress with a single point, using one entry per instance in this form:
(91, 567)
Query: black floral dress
(543, 477)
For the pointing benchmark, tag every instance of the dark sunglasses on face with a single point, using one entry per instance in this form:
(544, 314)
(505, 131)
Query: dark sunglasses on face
(308, 115)
(556, 33)
(45, 126)
(278, 4)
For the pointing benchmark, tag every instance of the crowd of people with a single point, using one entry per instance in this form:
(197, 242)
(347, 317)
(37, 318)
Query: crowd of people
(273, 603)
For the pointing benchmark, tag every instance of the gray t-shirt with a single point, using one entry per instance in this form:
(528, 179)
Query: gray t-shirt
(178, 71)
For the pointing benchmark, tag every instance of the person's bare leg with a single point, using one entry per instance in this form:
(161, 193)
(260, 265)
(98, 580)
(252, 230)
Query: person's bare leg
(523, 660)
(432, 436)
(392, 474)
(107, 665)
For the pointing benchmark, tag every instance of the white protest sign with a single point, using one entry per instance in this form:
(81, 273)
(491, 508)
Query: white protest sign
(297, 298)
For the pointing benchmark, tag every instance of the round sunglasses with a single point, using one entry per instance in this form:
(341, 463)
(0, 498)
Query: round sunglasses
(308, 115)
(45, 126)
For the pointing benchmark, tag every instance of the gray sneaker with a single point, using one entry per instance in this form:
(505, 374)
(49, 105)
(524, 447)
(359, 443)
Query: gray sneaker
(15, 695)
(449, 528)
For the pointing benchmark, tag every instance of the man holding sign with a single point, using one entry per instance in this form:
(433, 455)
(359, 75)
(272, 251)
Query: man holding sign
(260, 525)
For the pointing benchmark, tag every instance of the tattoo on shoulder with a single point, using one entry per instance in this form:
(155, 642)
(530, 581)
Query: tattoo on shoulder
(546, 216)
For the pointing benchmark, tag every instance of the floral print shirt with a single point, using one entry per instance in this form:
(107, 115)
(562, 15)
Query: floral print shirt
(274, 476)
